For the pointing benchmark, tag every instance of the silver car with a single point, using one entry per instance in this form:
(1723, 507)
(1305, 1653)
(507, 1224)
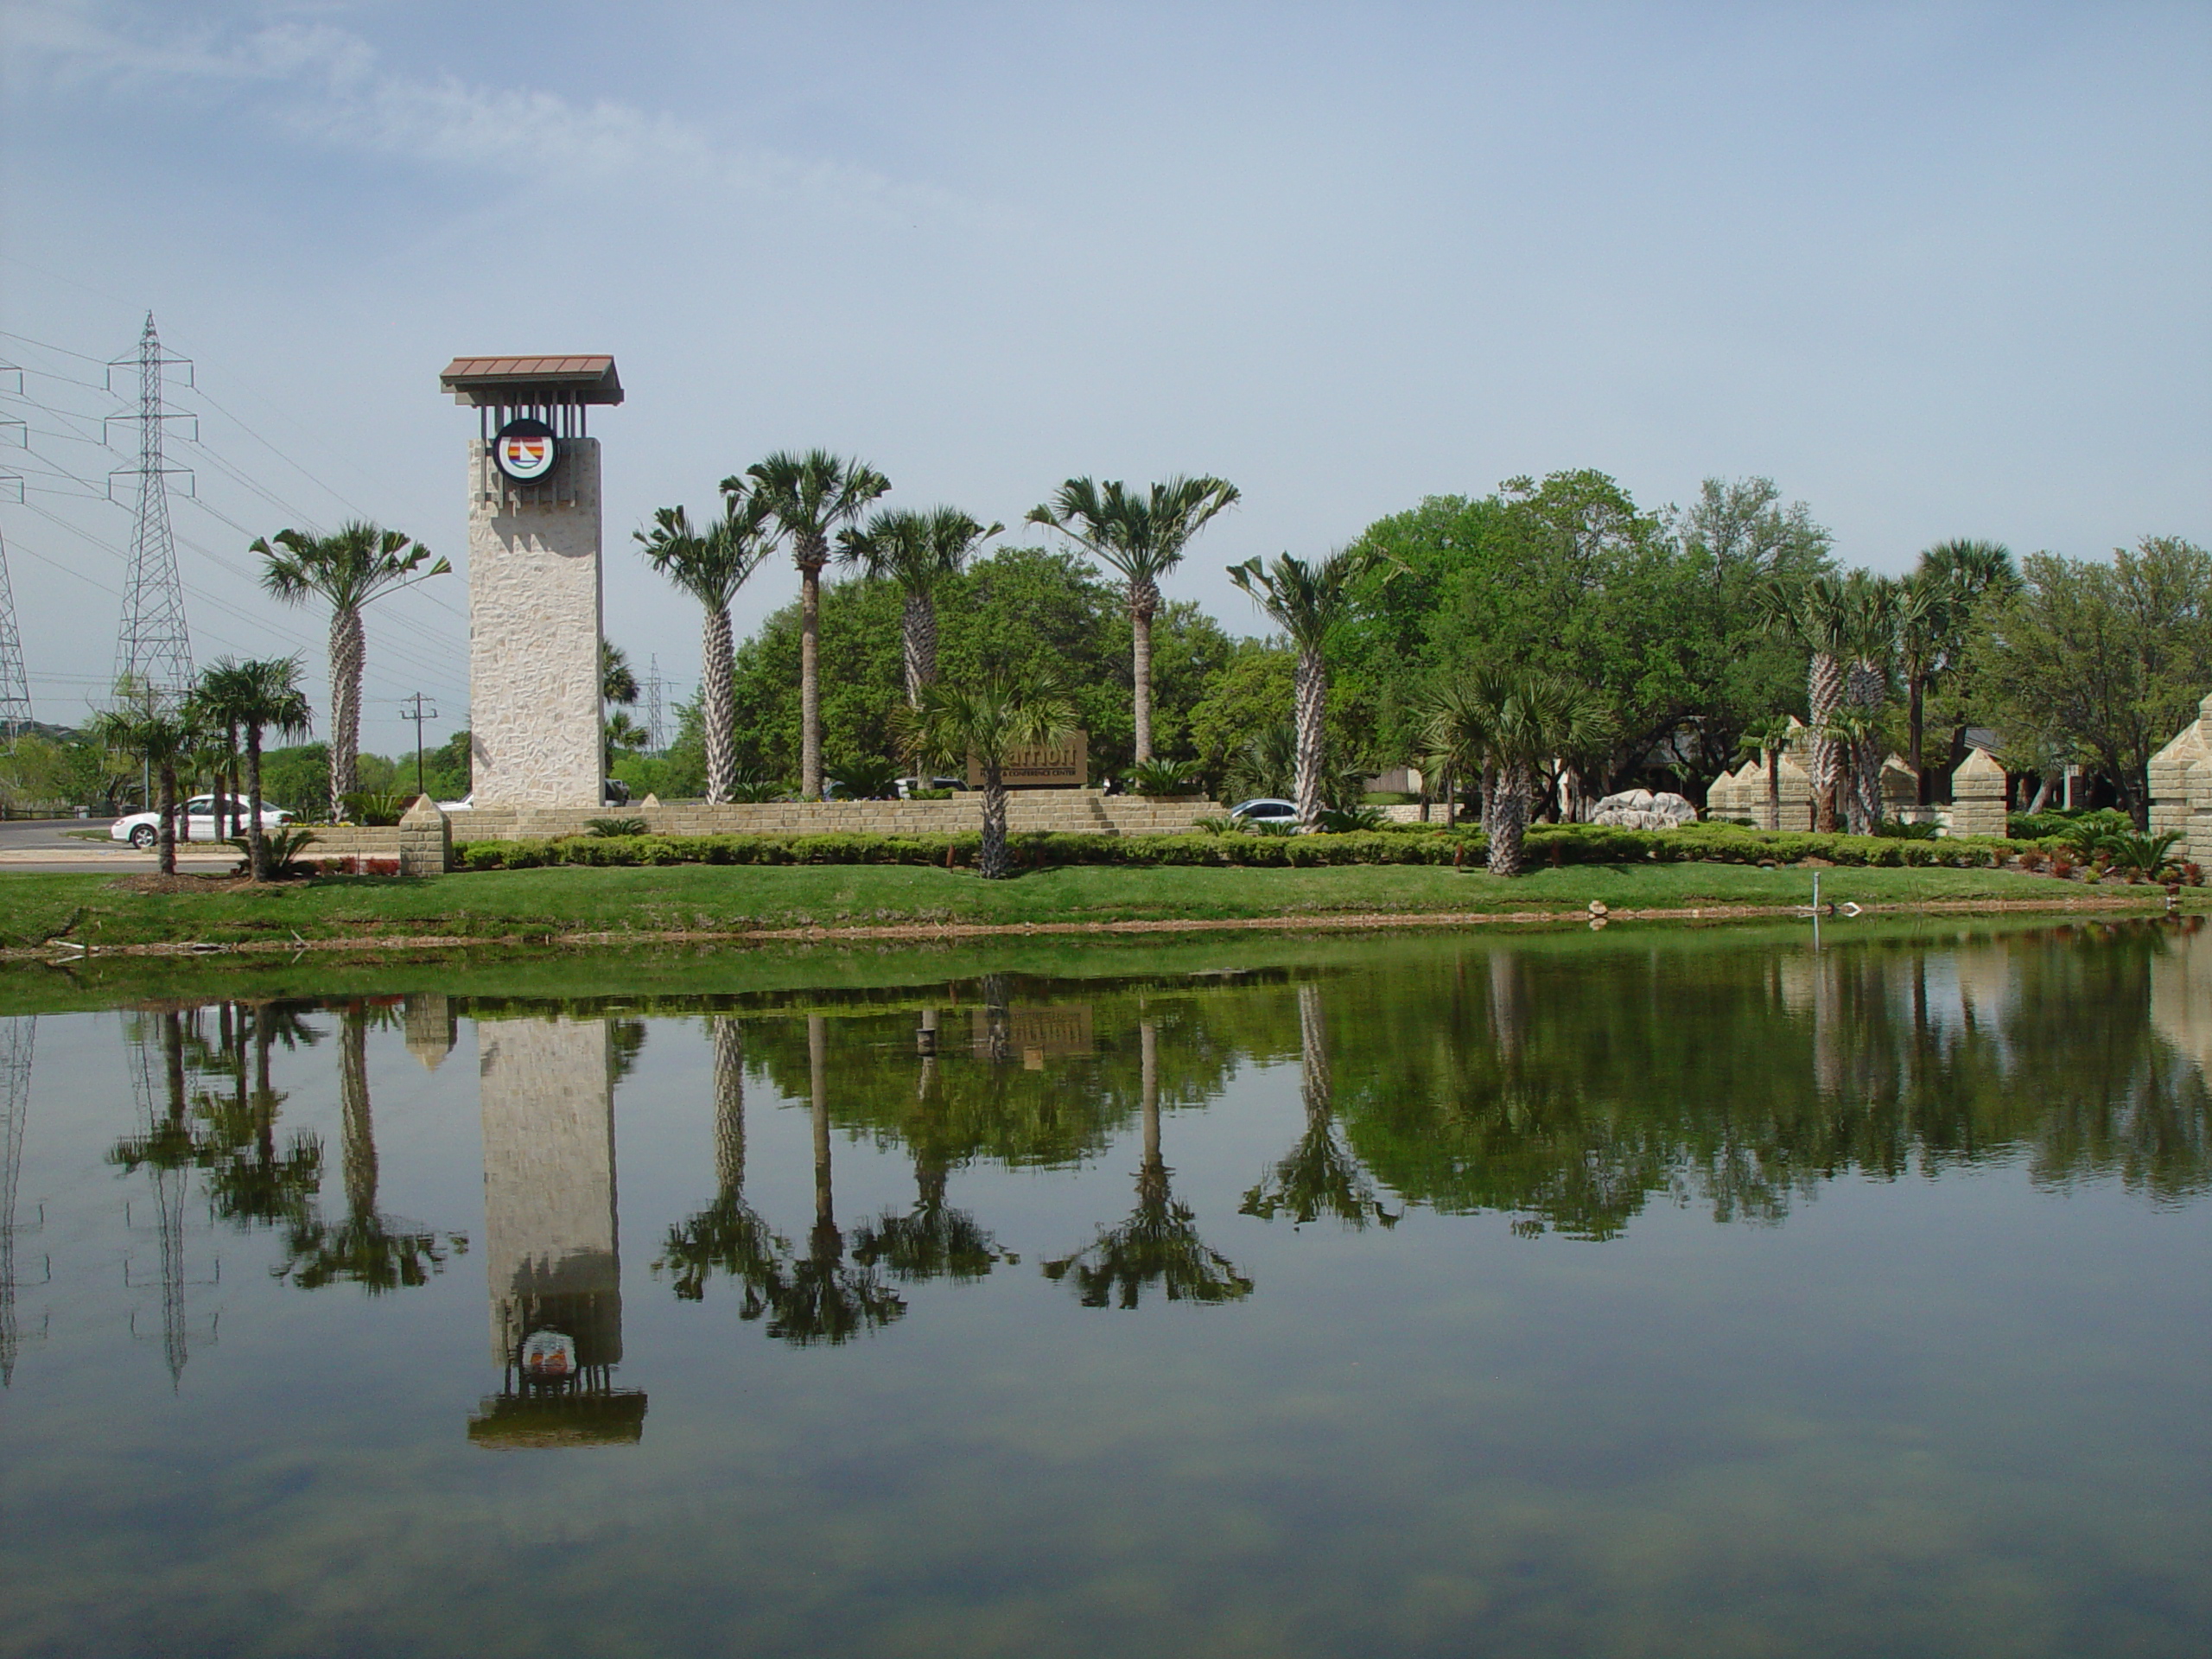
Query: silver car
(142, 830)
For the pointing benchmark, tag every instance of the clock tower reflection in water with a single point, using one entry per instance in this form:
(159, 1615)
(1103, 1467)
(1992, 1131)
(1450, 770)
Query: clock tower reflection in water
(555, 1271)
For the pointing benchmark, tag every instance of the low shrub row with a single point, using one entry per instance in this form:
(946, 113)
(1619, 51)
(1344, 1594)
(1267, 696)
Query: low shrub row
(1579, 844)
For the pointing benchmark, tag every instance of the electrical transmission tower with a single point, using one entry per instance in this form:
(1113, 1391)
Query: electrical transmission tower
(153, 652)
(15, 684)
(654, 743)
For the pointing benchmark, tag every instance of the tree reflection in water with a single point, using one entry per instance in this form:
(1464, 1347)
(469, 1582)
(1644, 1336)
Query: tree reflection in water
(1319, 1176)
(1159, 1244)
(729, 1236)
(365, 1247)
(932, 1241)
(822, 1299)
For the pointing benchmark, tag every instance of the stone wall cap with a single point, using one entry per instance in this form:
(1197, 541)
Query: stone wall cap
(1980, 762)
(423, 812)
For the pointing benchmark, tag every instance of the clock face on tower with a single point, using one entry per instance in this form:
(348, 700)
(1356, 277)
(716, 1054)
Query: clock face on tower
(525, 450)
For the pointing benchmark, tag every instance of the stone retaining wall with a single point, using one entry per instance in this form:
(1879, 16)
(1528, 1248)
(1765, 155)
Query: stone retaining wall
(1081, 810)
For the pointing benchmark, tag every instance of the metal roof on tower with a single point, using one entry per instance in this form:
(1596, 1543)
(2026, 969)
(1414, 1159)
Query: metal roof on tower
(507, 382)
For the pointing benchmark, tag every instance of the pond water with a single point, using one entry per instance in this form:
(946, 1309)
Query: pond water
(1653, 1294)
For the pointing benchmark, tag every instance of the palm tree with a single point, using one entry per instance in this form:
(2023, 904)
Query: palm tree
(729, 1236)
(1305, 600)
(1320, 1177)
(618, 681)
(1504, 726)
(711, 566)
(1003, 711)
(1867, 683)
(1819, 614)
(811, 496)
(1159, 1244)
(1141, 538)
(1936, 606)
(918, 550)
(163, 738)
(356, 563)
(257, 697)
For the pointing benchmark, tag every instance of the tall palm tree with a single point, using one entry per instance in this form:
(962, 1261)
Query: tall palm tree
(1305, 600)
(1821, 616)
(811, 496)
(1935, 607)
(918, 550)
(711, 565)
(1002, 711)
(356, 563)
(258, 697)
(1504, 726)
(164, 738)
(1866, 688)
(1160, 1242)
(1141, 538)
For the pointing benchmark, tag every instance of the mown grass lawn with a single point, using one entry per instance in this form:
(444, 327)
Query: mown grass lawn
(90, 909)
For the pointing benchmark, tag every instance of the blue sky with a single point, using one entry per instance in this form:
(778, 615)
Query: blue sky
(1937, 271)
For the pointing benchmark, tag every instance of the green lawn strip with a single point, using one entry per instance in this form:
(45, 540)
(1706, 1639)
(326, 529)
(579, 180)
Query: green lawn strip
(859, 976)
(541, 904)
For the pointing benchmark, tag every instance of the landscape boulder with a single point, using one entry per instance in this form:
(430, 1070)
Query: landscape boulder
(1639, 809)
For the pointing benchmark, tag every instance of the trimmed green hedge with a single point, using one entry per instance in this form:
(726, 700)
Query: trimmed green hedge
(1579, 844)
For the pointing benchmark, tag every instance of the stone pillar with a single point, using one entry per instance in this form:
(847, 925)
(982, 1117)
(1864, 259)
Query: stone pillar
(1978, 796)
(425, 839)
(1796, 788)
(534, 619)
(2198, 848)
(2168, 771)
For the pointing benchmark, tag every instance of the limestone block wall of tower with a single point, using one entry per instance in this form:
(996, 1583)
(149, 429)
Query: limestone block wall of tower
(534, 617)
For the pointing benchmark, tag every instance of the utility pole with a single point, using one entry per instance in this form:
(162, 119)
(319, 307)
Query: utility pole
(153, 652)
(413, 709)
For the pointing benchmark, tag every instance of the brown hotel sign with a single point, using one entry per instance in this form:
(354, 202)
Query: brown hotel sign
(1041, 766)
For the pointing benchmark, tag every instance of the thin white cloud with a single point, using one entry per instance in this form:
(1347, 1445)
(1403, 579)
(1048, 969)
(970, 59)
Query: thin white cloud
(318, 81)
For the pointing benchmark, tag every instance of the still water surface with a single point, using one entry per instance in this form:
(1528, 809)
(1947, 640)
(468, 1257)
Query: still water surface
(1665, 1294)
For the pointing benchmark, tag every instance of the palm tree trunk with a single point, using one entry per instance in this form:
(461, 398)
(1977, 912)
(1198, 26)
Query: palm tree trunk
(918, 629)
(346, 656)
(1773, 789)
(1312, 694)
(219, 811)
(166, 841)
(718, 716)
(730, 1107)
(1143, 600)
(810, 560)
(358, 1130)
(991, 862)
(1506, 818)
(1824, 693)
(256, 857)
(1916, 692)
(1867, 686)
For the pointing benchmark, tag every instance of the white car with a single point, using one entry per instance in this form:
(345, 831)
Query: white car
(142, 830)
(1266, 810)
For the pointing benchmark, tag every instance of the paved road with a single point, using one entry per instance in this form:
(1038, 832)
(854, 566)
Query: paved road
(54, 844)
